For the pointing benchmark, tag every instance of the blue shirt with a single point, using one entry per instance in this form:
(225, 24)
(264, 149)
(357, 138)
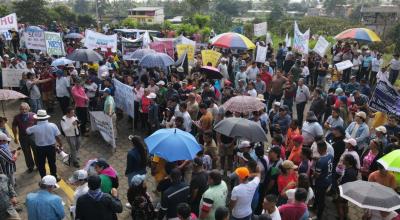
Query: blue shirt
(367, 61)
(43, 205)
(324, 167)
(44, 133)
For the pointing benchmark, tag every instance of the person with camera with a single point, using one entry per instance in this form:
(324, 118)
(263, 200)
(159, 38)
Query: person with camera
(70, 129)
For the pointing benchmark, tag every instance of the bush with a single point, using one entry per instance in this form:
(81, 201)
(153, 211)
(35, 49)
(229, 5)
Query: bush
(129, 23)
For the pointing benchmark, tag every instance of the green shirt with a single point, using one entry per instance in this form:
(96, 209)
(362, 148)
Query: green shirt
(217, 195)
(109, 103)
(106, 184)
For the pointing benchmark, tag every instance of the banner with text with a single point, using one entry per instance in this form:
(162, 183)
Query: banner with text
(260, 29)
(181, 48)
(300, 40)
(124, 97)
(9, 22)
(129, 46)
(261, 54)
(34, 40)
(12, 77)
(163, 47)
(210, 56)
(321, 46)
(97, 40)
(344, 65)
(103, 123)
(385, 99)
(54, 44)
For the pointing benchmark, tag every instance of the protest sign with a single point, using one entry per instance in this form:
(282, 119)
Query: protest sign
(260, 29)
(9, 22)
(129, 46)
(321, 46)
(210, 56)
(261, 54)
(124, 97)
(385, 99)
(163, 47)
(300, 40)
(344, 65)
(12, 77)
(34, 40)
(97, 40)
(7, 35)
(103, 123)
(54, 44)
(181, 48)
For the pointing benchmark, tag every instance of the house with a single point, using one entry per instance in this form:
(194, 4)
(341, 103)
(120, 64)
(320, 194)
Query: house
(148, 15)
(380, 18)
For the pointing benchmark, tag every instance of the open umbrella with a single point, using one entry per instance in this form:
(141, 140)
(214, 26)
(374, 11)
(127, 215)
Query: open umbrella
(370, 195)
(74, 36)
(84, 55)
(33, 29)
(62, 62)
(361, 34)
(211, 72)
(139, 54)
(7, 94)
(391, 161)
(173, 144)
(232, 40)
(243, 104)
(156, 60)
(240, 127)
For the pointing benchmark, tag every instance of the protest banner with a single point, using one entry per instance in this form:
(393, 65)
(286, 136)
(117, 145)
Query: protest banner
(261, 54)
(124, 97)
(163, 47)
(210, 56)
(260, 29)
(385, 99)
(300, 40)
(344, 65)
(321, 46)
(129, 46)
(9, 22)
(54, 44)
(34, 40)
(103, 123)
(12, 77)
(6, 35)
(181, 48)
(97, 40)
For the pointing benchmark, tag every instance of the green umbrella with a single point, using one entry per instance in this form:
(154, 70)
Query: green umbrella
(391, 161)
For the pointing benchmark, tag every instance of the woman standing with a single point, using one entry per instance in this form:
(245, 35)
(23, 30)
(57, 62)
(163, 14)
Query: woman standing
(350, 175)
(287, 179)
(136, 158)
(369, 158)
(81, 104)
(139, 199)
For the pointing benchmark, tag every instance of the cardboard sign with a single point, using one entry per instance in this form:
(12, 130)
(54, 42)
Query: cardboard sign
(181, 48)
(9, 22)
(34, 40)
(260, 29)
(54, 44)
(261, 54)
(210, 56)
(321, 46)
(344, 65)
(12, 77)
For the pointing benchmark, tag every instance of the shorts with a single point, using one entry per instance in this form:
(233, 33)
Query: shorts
(226, 150)
(47, 96)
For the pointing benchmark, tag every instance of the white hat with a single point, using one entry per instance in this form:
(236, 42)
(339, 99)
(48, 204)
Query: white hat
(244, 144)
(381, 129)
(152, 96)
(78, 175)
(71, 65)
(261, 97)
(277, 103)
(266, 63)
(160, 83)
(361, 114)
(3, 137)
(41, 114)
(49, 180)
(351, 141)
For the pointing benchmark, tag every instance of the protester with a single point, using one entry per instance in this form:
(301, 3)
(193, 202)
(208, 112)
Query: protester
(8, 199)
(136, 159)
(214, 197)
(139, 199)
(70, 129)
(78, 179)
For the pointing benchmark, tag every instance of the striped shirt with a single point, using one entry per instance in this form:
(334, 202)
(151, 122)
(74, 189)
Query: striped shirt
(7, 163)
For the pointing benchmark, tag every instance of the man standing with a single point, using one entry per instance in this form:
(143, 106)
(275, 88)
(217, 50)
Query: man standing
(109, 108)
(153, 113)
(302, 96)
(62, 90)
(187, 120)
(297, 209)
(198, 184)
(69, 125)
(252, 71)
(46, 135)
(43, 204)
(21, 122)
(214, 196)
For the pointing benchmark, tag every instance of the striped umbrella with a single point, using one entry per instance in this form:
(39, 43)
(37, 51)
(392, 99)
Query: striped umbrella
(232, 40)
(156, 60)
(360, 34)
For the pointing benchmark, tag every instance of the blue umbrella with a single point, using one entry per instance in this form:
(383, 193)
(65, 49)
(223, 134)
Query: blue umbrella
(156, 60)
(61, 62)
(139, 54)
(74, 36)
(33, 29)
(173, 144)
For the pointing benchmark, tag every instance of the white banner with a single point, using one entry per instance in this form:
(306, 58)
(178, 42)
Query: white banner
(7, 35)
(321, 46)
(103, 123)
(124, 97)
(288, 41)
(95, 40)
(34, 40)
(54, 44)
(300, 40)
(9, 22)
(344, 65)
(12, 77)
(260, 29)
(261, 54)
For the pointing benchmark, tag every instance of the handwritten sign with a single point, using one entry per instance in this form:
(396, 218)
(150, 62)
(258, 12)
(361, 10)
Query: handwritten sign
(34, 40)
(9, 22)
(210, 56)
(124, 97)
(260, 29)
(54, 43)
(12, 77)
(181, 48)
(344, 65)
(97, 40)
(103, 123)
(321, 46)
(300, 40)
(261, 54)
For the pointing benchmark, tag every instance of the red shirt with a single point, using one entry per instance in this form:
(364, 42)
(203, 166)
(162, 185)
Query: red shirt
(266, 77)
(293, 211)
(283, 181)
(48, 86)
(145, 104)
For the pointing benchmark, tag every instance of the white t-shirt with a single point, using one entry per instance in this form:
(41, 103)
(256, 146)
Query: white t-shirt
(243, 195)
(315, 153)
(377, 64)
(252, 93)
(290, 194)
(62, 85)
(274, 215)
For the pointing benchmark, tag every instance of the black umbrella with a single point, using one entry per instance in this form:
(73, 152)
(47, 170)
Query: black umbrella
(85, 55)
(240, 127)
(211, 72)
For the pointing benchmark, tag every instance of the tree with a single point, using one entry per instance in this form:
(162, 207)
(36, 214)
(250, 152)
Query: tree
(276, 12)
(196, 6)
(129, 23)
(85, 20)
(330, 5)
(65, 13)
(201, 20)
(229, 7)
(81, 7)
(395, 35)
(4, 10)
(29, 11)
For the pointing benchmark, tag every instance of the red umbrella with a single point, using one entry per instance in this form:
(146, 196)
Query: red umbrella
(243, 104)
(211, 72)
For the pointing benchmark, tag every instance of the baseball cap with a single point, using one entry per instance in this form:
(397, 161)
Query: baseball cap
(381, 129)
(49, 180)
(78, 175)
(138, 179)
(242, 172)
(107, 90)
(244, 144)
(351, 141)
(288, 164)
(277, 104)
(361, 114)
(3, 137)
(198, 162)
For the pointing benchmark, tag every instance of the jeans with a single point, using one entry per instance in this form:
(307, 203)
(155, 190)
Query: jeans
(28, 148)
(272, 99)
(321, 82)
(35, 104)
(74, 144)
(393, 76)
(346, 75)
(289, 103)
(49, 153)
(64, 103)
(300, 112)
(82, 113)
(319, 201)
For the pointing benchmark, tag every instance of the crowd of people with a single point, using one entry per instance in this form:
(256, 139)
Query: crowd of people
(321, 132)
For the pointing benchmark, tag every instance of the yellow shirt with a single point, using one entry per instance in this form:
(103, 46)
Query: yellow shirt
(379, 119)
(159, 168)
(94, 66)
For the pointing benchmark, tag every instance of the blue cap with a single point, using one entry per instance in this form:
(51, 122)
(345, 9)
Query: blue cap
(107, 90)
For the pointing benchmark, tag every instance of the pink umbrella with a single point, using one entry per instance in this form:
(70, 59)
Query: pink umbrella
(7, 94)
(243, 104)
